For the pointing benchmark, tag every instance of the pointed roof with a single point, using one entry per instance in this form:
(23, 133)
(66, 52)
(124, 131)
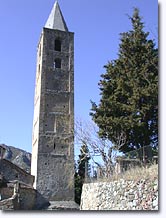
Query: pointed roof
(55, 19)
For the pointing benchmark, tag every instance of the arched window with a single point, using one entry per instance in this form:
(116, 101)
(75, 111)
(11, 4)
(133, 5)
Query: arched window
(57, 45)
(57, 63)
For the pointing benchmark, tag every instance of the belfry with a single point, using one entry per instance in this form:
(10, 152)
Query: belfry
(53, 124)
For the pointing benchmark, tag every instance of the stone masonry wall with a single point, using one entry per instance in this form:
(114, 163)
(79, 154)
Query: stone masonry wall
(26, 199)
(120, 195)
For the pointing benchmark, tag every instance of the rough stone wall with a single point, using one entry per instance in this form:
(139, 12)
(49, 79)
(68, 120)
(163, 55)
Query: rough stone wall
(27, 199)
(120, 195)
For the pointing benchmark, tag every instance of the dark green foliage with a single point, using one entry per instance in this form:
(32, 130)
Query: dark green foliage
(83, 162)
(81, 172)
(129, 91)
(78, 188)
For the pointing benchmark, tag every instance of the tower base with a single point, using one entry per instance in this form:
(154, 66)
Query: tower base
(63, 205)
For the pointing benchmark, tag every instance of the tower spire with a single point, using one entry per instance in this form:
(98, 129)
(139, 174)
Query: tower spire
(56, 19)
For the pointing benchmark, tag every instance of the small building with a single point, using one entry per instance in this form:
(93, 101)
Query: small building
(16, 187)
(12, 172)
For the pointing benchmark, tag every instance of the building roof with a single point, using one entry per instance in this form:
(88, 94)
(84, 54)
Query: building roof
(13, 166)
(56, 20)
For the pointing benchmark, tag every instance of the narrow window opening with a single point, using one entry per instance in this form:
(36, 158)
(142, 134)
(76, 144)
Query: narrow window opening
(57, 45)
(57, 63)
(39, 50)
(55, 126)
(39, 68)
(54, 146)
(69, 150)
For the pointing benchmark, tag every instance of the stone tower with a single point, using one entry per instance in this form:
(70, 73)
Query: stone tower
(53, 124)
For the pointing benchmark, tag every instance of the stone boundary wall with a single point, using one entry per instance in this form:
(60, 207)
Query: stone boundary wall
(120, 195)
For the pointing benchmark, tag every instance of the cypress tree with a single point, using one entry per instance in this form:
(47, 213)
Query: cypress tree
(81, 172)
(129, 91)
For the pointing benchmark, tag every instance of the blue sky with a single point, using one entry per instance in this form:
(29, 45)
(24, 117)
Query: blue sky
(96, 24)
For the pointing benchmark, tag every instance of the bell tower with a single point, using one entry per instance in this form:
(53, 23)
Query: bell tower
(53, 123)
